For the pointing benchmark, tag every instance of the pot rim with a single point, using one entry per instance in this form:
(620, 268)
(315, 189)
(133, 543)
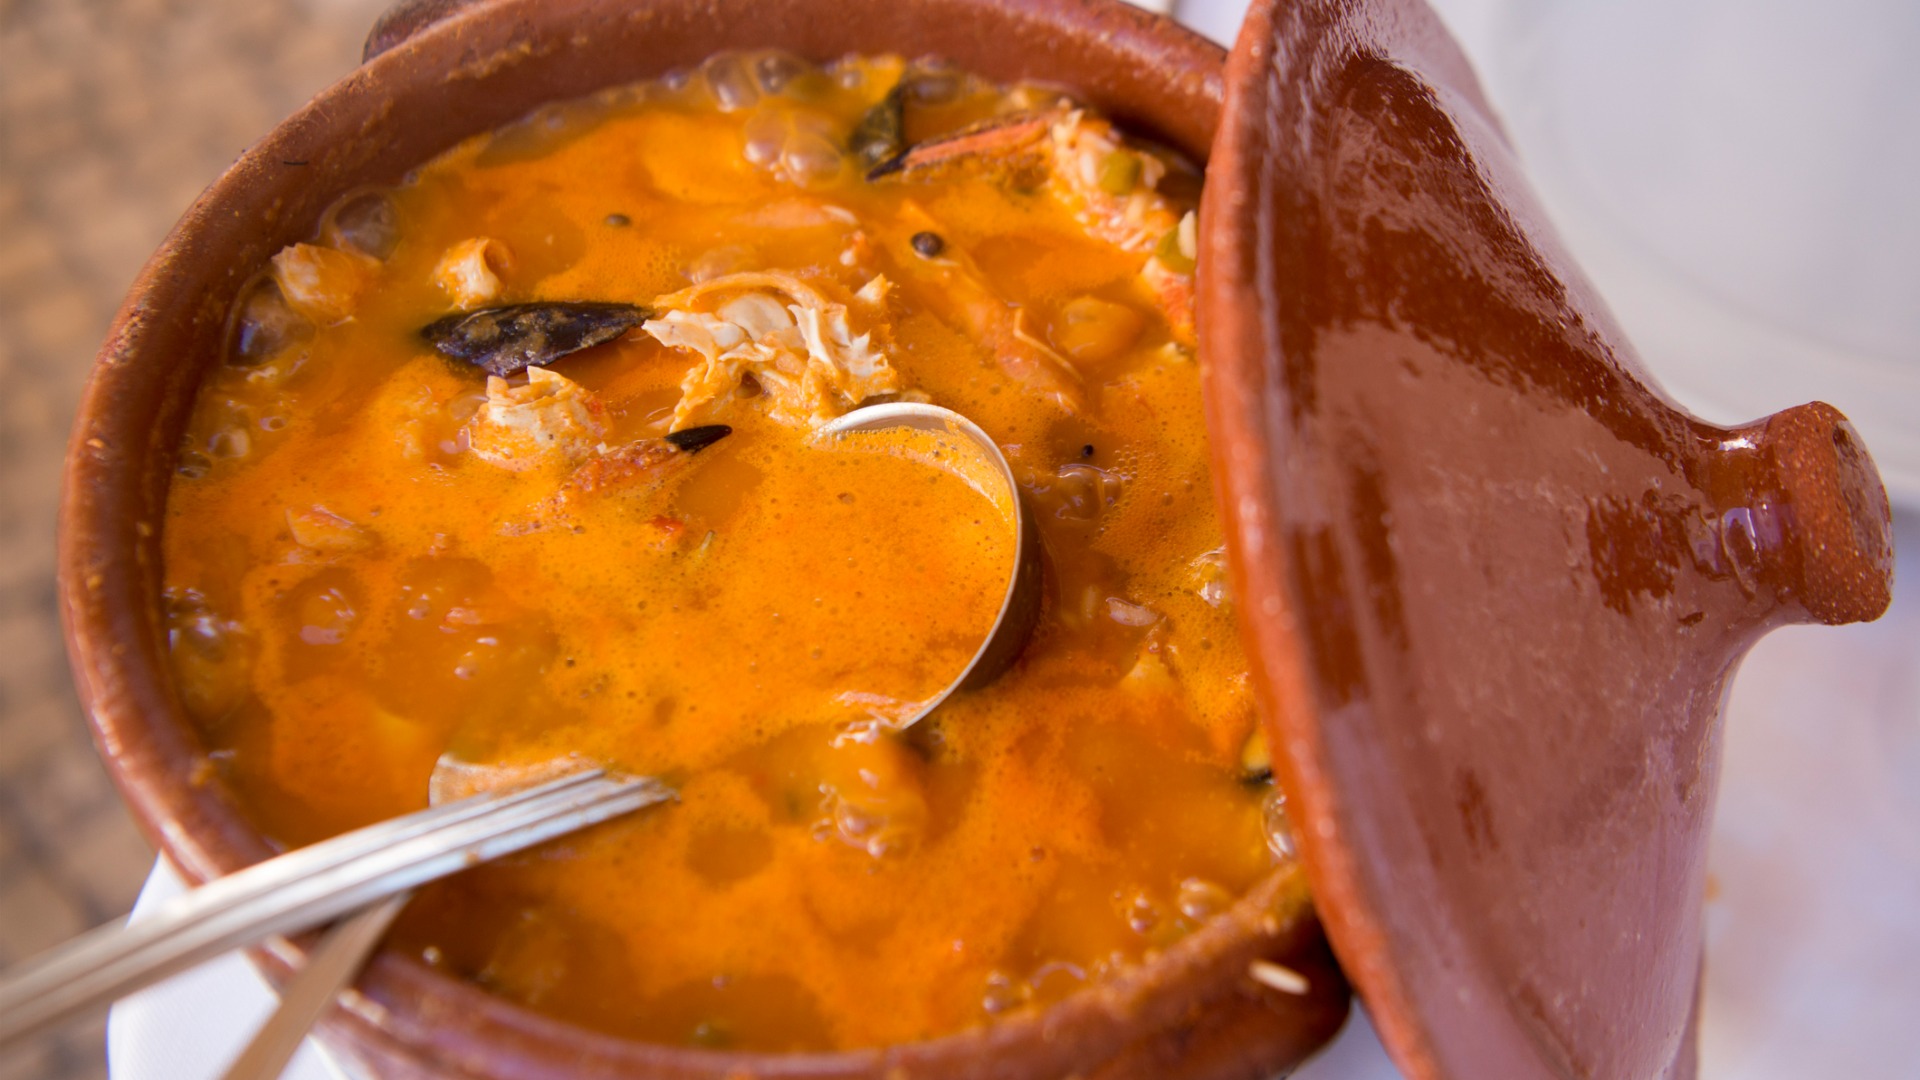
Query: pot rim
(125, 437)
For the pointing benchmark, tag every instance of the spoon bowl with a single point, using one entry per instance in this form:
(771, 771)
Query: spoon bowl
(976, 458)
(952, 443)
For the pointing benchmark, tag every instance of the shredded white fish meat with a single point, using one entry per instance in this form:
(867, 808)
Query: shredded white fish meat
(550, 420)
(811, 358)
(466, 273)
(322, 283)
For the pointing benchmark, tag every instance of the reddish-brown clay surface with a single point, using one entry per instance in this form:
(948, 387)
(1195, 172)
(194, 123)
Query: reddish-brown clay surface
(1194, 1012)
(1492, 583)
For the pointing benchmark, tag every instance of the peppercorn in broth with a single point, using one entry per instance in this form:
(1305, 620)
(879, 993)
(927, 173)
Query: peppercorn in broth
(511, 464)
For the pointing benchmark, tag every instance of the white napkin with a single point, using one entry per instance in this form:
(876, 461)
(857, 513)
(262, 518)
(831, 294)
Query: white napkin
(194, 1024)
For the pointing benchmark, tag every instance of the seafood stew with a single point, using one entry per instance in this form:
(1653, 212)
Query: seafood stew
(511, 462)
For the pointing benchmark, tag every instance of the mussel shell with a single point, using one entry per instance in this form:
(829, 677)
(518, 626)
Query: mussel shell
(513, 337)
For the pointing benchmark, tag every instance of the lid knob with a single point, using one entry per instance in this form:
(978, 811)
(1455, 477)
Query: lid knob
(1827, 551)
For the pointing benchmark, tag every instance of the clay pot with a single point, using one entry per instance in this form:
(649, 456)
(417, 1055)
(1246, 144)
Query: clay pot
(1192, 1012)
(1493, 584)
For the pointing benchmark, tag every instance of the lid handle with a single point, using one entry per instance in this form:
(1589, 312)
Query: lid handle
(1812, 513)
(405, 19)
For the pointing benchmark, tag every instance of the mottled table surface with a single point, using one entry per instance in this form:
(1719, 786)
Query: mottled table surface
(113, 115)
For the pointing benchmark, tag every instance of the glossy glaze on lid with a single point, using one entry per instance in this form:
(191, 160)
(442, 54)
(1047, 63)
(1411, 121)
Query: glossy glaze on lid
(1195, 1012)
(1493, 583)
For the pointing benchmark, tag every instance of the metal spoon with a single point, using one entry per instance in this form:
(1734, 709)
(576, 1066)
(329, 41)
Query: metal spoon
(330, 968)
(969, 453)
(976, 459)
(305, 888)
(1020, 603)
(334, 964)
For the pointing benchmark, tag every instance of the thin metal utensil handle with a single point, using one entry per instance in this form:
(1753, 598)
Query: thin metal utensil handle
(306, 888)
(328, 970)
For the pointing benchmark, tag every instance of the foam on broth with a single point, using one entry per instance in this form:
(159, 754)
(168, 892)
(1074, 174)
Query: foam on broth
(354, 589)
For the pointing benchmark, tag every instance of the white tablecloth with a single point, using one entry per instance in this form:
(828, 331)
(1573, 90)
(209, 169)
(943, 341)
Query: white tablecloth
(191, 1026)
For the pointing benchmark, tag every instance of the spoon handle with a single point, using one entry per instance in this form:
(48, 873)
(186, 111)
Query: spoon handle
(307, 888)
(328, 970)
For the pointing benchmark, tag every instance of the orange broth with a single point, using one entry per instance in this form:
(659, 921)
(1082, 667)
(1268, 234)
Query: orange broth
(357, 586)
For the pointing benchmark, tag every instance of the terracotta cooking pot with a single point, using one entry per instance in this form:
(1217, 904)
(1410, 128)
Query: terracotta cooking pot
(1491, 583)
(1192, 1012)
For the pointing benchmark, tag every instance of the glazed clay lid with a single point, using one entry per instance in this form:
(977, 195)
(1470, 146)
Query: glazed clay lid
(1493, 584)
